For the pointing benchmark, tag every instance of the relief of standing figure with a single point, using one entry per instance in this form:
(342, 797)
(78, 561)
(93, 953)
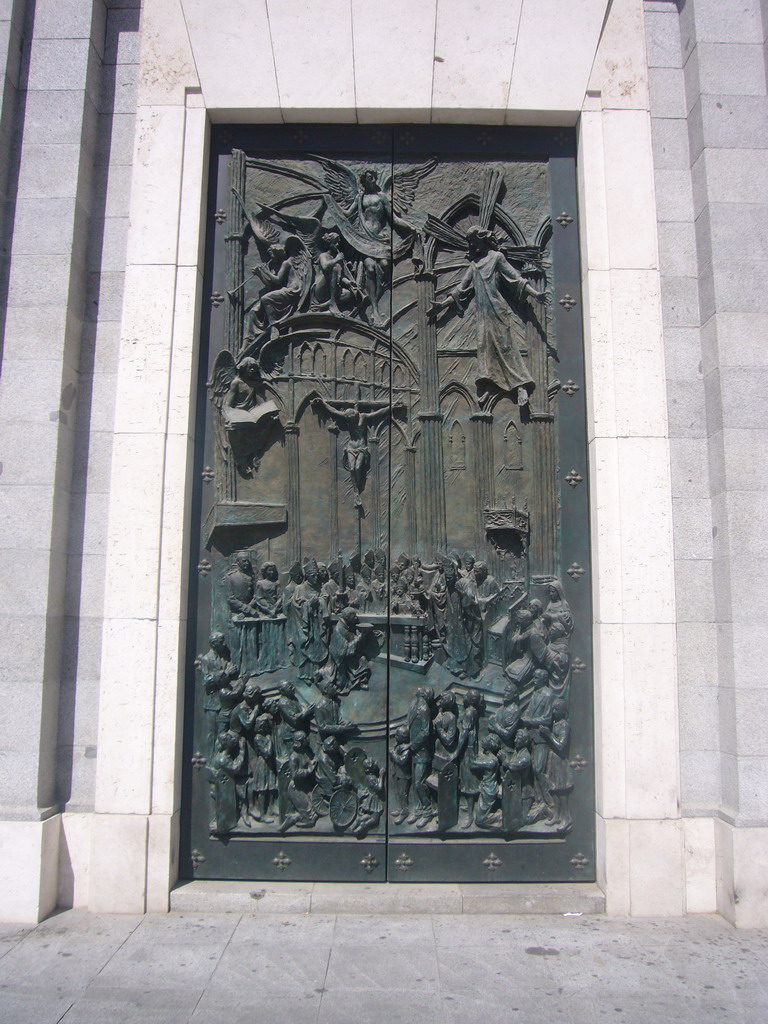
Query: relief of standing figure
(500, 331)
(420, 737)
(227, 776)
(310, 627)
(267, 603)
(218, 673)
(558, 770)
(400, 756)
(469, 738)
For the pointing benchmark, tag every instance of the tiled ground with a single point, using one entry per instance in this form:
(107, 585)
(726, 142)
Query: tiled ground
(77, 968)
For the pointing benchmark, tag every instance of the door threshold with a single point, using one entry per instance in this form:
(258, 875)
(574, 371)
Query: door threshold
(386, 898)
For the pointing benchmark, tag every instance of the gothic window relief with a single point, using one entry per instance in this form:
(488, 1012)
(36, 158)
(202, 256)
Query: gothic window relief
(389, 663)
(458, 445)
(513, 447)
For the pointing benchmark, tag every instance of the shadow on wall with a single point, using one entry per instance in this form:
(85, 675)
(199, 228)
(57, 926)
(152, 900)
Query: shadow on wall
(101, 302)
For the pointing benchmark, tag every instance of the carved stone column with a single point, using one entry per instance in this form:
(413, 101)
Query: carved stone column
(294, 494)
(432, 529)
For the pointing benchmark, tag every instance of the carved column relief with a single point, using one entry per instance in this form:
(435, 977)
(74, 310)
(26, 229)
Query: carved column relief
(432, 519)
(333, 474)
(544, 527)
(543, 555)
(482, 439)
(376, 491)
(294, 484)
(410, 498)
(236, 253)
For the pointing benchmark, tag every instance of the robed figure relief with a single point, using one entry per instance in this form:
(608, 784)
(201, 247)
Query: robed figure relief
(393, 594)
(494, 284)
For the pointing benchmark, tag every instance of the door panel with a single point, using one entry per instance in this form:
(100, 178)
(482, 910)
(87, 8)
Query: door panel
(392, 672)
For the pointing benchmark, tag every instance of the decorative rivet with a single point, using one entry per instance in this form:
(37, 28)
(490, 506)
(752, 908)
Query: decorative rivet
(564, 220)
(403, 862)
(220, 216)
(484, 138)
(570, 388)
(578, 763)
(207, 474)
(369, 862)
(574, 478)
(216, 299)
(575, 571)
(198, 761)
(578, 665)
(579, 861)
(492, 862)
(197, 859)
(204, 567)
(300, 136)
(281, 862)
(568, 302)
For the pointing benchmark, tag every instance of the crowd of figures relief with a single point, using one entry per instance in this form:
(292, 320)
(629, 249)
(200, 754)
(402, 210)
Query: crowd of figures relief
(383, 378)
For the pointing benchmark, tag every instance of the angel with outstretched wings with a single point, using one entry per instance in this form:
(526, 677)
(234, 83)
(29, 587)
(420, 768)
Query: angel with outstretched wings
(245, 422)
(375, 219)
(285, 270)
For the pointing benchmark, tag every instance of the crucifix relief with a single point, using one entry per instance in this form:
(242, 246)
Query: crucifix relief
(355, 419)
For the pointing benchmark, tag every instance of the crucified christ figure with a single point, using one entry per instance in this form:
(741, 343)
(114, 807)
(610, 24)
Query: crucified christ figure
(350, 417)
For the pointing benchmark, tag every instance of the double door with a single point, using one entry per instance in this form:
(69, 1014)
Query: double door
(389, 664)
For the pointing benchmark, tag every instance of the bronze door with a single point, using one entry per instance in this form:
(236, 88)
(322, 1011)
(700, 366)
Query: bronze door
(390, 676)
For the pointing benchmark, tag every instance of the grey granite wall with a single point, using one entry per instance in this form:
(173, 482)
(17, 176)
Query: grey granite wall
(707, 63)
(105, 269)
(67, 116)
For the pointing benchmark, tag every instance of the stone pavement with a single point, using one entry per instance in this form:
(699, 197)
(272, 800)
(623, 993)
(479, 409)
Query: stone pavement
(231, 968)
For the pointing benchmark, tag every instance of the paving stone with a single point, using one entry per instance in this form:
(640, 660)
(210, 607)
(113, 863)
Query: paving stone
(137, 1004)
(39, 1007)
(393, 1006)
(67, 950)
(273, 968)
(286, 930)
(384, 932)
(258, 1008)
(371, 969)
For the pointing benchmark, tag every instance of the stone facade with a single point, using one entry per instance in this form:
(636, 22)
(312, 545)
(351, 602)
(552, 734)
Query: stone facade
(104, 122)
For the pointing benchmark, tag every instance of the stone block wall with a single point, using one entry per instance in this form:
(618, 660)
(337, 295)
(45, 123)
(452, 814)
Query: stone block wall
(709, 108)
(68, 115)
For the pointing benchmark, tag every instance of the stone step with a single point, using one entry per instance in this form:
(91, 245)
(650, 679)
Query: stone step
(392, 898)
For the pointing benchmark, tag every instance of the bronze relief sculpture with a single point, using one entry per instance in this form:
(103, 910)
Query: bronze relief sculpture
(388, 337)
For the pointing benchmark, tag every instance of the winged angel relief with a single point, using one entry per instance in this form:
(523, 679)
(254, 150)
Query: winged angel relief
(338, 259)
(245, 421)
